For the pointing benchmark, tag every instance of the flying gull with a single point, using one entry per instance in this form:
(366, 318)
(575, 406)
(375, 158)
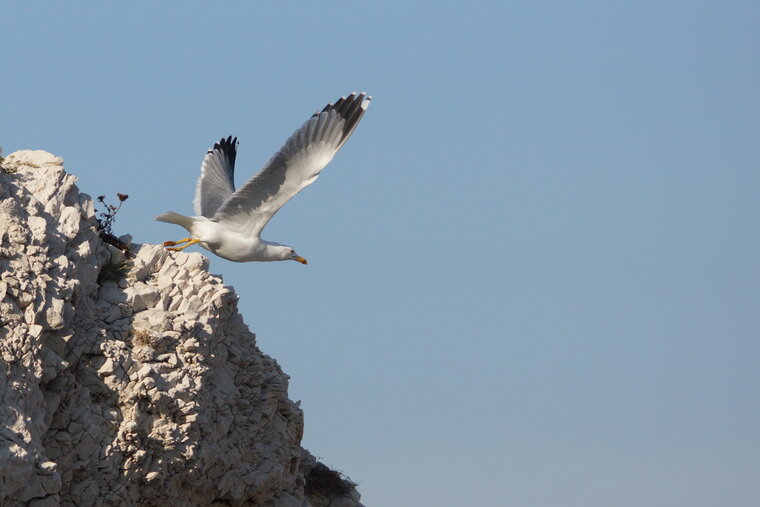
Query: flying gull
(229, 222)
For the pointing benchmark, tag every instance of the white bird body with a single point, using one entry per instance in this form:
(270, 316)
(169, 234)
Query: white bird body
(229, 222)
(224, 242)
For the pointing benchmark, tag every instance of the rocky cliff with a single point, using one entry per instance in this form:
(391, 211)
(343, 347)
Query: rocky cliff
(131, 379)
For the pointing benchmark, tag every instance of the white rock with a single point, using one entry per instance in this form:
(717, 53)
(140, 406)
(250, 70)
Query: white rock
(107, 368)
(33, 158)
(69, 222)
(148, 260)
(149, 391)
(87, 207)
(38, 227)
(141, 296)
(165, 282)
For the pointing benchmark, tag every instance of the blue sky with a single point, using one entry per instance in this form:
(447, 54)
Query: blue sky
(534, 270)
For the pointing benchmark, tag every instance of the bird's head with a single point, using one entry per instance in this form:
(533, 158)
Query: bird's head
(290, 255)
(279, 252)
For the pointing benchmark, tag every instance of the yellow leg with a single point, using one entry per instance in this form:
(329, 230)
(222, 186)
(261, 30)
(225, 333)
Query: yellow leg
(189, 242)
(174, 243)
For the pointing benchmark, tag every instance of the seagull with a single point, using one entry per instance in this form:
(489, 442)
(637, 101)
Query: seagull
(229, 222)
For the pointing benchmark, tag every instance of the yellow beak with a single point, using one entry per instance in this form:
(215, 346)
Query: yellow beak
(300, 259)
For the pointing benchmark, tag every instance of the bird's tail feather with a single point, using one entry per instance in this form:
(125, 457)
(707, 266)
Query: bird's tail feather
(175, 218)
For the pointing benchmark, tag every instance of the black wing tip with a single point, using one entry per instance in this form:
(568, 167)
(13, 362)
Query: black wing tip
(347, 103)
(351, 109)
(228, 147)
(225, 144)
(351, 100)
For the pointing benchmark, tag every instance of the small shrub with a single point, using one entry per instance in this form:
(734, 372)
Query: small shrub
(114, 269)
(141, 338)
(3, 168)
(105, 220)
(108, 215)
(328, 483)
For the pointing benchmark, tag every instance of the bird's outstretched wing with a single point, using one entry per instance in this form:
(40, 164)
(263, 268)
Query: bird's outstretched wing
(216, 182)
(296, 165)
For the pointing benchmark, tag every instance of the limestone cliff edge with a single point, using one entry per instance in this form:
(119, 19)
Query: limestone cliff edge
(132, 381)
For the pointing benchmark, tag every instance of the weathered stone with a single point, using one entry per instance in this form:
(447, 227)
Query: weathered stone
(141, 296)
(69, 222)
(144, 390)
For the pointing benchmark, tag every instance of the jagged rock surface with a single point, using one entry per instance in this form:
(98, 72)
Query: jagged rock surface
(144, 390)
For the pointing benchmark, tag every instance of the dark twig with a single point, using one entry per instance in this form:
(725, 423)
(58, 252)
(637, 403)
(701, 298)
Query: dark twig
(105, 220)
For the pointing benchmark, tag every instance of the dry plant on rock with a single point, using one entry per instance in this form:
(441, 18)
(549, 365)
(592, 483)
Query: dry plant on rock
(105, 220)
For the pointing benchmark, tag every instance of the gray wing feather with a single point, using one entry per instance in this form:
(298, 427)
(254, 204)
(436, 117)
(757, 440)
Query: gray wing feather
(217, 180)
(295, 166)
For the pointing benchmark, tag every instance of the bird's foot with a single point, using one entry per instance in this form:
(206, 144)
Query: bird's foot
(188, 241)
(175, 243)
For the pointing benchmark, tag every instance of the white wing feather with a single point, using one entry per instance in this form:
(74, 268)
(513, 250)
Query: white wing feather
(295, 166)
(216, 182)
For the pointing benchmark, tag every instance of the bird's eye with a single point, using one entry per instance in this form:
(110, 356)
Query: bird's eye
(292, 251)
